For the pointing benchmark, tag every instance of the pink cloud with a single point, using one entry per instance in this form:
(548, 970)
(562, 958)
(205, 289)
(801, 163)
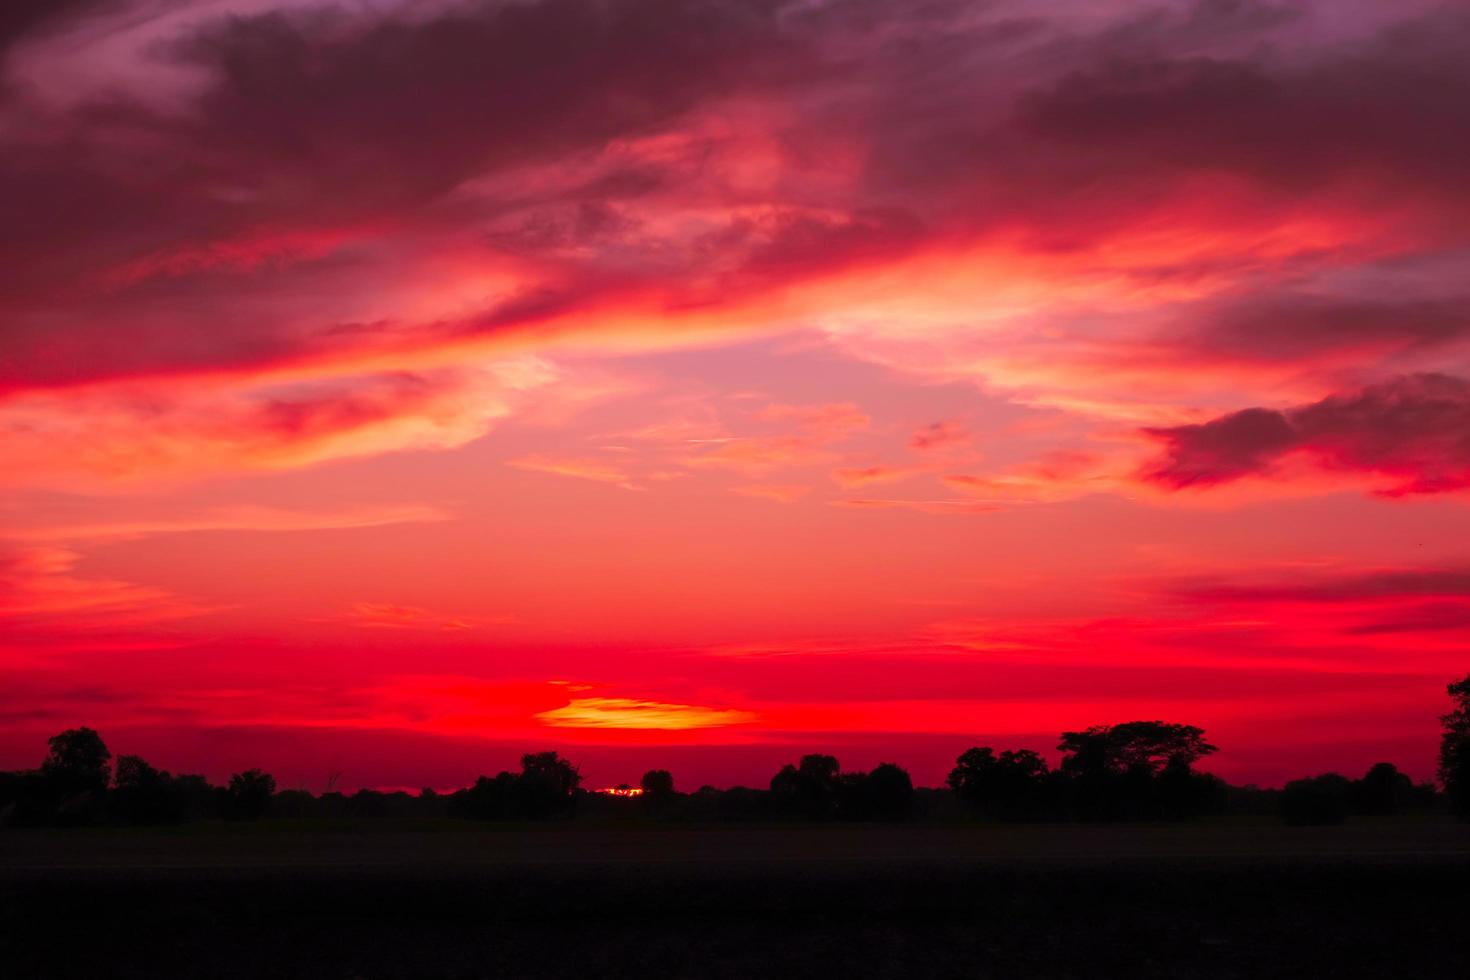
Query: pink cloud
(582, 468)
(783, 493)
(811, 431)
(939, 435)
(868, 475)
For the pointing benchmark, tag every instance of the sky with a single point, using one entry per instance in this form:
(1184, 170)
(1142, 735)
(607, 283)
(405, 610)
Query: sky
(390, 388)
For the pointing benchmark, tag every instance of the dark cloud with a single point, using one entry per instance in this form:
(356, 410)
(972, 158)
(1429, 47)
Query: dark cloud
(1426, 618)
(1389, 585)
(142, 241)
(1293, 327)
(23, 19)
(1373, 603)
(1222, 450)
(1414, 429)
(319, 124)
(1388, 110)
(404, 109)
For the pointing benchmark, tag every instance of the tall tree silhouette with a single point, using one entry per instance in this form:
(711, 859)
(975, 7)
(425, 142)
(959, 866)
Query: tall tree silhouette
(1454, 749)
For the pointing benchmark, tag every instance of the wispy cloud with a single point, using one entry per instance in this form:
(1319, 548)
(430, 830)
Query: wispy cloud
(387, 615)
(602, 712)
(784, 493)
(600, 470)
(241, 518)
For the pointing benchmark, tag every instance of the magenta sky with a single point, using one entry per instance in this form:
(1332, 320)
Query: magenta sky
(387, 388)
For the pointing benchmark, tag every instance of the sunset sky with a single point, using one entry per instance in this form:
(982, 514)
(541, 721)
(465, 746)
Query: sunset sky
(388, 388)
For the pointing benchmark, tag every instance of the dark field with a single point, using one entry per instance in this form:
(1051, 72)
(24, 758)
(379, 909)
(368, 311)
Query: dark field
(1370, 899)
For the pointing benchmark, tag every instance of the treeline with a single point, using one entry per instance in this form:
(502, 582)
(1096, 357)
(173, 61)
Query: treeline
(1139, 770)
(77, 785)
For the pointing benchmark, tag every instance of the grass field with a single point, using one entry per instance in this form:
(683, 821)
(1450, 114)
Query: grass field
(1231, 899)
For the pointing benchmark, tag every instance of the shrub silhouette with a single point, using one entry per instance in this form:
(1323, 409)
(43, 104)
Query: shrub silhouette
(487, 799)
(743, 803)
(1317, 801)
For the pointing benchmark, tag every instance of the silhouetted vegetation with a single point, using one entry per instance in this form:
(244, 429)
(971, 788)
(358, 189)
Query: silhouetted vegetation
(1318, 800)
(1454, 749)
(657, 783)
(1134, 771)
(545, 787)
(248, 796)
(1140, 770)
(1014, 785)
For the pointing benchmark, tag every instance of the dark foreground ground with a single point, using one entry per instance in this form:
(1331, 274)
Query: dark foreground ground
(1387, 899)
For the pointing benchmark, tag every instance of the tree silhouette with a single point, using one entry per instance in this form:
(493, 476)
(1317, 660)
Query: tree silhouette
(1008, 786)
(808, 789)
(249, 795)
(1139, 769)
(77, 762)
(1134, 745)
(658, 791)
(1133, 770)
(1454, 749)
(547, 785)
(145, 795)
(487, 799)
(1382, 791)
(657, 784)
(888, 792)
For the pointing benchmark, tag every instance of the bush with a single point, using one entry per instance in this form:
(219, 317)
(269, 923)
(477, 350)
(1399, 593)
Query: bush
(1318, 801)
